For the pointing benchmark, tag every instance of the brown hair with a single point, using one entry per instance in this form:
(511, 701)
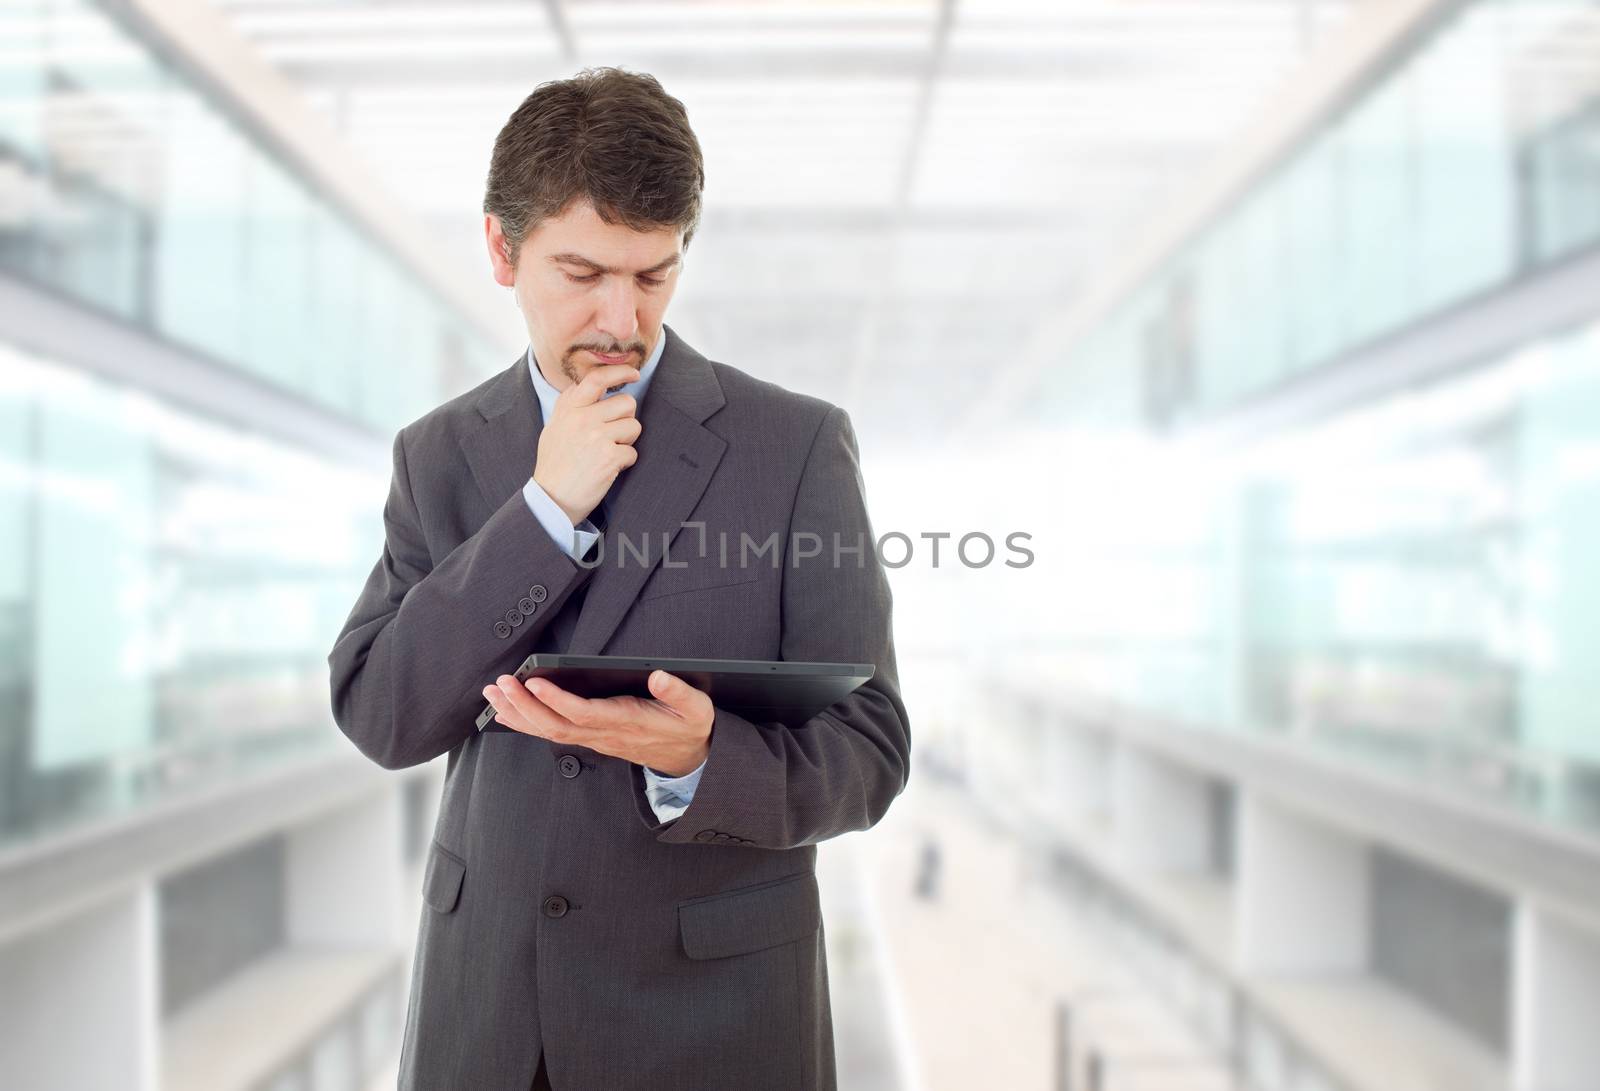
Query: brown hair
(613, 137)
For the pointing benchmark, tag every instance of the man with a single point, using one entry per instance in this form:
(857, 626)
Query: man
(620, 892)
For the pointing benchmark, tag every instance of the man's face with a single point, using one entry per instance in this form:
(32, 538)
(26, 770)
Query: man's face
(592, 293)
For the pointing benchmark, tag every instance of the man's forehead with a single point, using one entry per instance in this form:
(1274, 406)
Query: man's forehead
(578, 232)
(661, 263)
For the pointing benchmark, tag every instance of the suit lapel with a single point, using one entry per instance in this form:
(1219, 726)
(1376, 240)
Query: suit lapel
(501, 451)
(677, 456)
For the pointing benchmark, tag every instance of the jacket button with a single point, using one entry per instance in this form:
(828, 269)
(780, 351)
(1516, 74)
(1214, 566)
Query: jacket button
(724, 837)
(513, 618)
(537, 593)
(502, 630)
(526, 606)
(569, 766)
(705, 835)
(555, 906)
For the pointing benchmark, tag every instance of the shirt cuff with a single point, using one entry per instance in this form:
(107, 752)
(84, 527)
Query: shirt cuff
(575, 541)
(670, 796)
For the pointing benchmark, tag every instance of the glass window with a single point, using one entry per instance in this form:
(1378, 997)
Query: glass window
(277, 298)
(380, 359)
(22, 70)
(1466, 205)
(1558, 462)
(192, 571)
(1261, 298)
(1553, 107)
(92, 636)
(127, 188)
(1314, 252)
(1564, 170)
(199, 251)
(17, 597)
(338, 315)
(103, 100)
(1220, 314)
(1378, 276)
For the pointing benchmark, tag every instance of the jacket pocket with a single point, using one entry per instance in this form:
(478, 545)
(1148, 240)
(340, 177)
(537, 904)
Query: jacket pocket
(441, 879)
(678, 581)
(753, 918)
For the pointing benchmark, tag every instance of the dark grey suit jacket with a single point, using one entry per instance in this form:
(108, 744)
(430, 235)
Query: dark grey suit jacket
(561, 915)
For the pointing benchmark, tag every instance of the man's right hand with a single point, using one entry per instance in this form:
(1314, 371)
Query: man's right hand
(588, 441)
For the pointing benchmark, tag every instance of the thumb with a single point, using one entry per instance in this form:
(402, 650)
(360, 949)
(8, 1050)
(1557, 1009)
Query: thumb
(665, 687)
(669, 689)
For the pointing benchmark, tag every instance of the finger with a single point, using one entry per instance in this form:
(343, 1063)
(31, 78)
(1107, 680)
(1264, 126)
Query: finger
(588, 390)
(535, 718)
(616, 407)
(625, 430)
(503, 712)
(581, 711)
(676, 694)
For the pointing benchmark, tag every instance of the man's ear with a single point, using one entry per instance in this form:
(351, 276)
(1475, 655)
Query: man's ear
(505, 274)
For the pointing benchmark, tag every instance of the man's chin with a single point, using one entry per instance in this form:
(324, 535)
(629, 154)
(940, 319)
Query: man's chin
(579, 366)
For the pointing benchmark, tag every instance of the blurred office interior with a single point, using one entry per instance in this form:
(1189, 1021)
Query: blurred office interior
(1272, 325)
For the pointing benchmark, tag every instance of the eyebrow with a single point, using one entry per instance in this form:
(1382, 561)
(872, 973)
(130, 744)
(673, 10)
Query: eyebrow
(579, 259)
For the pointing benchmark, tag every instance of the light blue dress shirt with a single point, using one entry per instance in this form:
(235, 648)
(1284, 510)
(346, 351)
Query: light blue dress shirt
(669, 796)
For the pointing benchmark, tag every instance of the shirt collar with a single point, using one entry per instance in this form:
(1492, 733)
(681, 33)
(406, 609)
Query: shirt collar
(548, 394)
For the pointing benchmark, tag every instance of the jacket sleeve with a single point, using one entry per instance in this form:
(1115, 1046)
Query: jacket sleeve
(408, 670)
(777, 787)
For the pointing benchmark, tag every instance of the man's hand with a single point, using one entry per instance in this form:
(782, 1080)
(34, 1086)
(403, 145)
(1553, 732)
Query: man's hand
(588, 440)
(671, 734)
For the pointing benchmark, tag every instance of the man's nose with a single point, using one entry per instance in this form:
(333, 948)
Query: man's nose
(619, 310)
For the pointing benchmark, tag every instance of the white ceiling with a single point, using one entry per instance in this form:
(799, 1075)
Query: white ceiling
(898, 193)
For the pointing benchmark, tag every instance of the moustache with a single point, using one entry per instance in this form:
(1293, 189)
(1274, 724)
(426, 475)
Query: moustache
(610, 350)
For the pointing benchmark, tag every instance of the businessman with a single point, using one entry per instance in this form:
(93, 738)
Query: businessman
(620, 892)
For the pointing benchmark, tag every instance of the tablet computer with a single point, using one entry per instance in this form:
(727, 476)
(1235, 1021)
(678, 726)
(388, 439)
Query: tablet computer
(756, 689)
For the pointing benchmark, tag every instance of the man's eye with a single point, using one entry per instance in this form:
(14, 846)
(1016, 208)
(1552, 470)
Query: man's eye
(653, 282)
(583, 280)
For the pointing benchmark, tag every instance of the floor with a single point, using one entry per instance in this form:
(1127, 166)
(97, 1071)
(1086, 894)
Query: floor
(995, 983)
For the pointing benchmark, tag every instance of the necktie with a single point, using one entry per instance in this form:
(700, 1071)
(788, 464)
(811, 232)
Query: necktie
(602, 511)
(557, 636)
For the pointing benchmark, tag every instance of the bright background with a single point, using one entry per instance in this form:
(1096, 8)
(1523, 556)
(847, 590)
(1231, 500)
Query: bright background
(1275, 324)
